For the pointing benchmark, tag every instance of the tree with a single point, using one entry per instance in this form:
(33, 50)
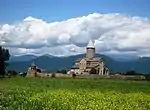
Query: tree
(63, 71)
(12, 72)
(39, 70)
(93, 71)
(147, 77)
(23, 74)
(131, 72)
(53, 75)
(4, 57)
(74, 75)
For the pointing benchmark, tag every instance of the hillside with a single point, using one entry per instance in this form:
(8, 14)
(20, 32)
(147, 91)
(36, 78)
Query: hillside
(22, 58)
(48, 62)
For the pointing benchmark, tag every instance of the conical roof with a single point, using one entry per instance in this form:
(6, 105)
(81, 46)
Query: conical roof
(90, 44)
(33, 64)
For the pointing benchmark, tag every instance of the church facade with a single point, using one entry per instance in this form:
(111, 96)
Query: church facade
(90, 62)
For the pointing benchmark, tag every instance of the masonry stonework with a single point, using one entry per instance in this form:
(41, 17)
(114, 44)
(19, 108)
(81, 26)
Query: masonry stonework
(84, 65)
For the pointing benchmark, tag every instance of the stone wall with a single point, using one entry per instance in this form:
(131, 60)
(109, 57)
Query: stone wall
(90, 53)
(31, 72)
(55, 75)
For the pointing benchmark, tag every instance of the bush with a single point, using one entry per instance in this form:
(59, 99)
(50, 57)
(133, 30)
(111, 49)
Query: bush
(63, 71)
(131, 72)
(24, 74)
(53, 75)
(39, 70)
(147, 77)
(12, 73)
(74, 75)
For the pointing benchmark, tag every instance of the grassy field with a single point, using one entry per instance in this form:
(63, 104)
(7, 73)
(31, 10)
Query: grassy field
(73, 94)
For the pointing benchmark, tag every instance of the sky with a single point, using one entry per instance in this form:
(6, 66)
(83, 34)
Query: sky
(64, 27)
(57, 10)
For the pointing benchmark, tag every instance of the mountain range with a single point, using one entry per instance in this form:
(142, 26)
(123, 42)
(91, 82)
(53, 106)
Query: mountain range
(51, 63)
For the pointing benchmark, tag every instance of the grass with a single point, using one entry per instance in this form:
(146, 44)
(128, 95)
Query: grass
(73, 94)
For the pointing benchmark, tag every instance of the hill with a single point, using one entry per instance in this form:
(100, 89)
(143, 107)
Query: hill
(22, 58)
(51, 63)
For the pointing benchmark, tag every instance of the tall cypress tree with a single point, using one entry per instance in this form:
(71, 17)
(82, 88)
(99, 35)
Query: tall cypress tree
(4, 57)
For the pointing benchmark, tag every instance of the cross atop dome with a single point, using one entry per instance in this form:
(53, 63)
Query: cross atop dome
(90, 44)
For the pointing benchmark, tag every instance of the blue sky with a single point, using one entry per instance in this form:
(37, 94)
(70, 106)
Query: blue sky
(57, 10)
(113, 33)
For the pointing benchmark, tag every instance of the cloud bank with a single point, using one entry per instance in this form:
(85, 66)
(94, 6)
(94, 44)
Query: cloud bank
(113, 34)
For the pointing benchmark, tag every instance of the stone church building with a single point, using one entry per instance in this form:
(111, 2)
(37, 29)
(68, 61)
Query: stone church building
(84, 65)
(33, 70)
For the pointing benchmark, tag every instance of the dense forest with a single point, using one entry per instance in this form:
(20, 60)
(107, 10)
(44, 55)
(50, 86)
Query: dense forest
(4, 57)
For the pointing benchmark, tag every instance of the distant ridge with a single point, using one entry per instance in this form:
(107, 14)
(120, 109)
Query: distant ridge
(49, 62)
(27, 57)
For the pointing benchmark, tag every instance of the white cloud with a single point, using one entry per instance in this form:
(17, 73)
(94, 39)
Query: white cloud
(113, 34)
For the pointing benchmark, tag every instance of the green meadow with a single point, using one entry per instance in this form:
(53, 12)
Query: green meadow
(73, 94)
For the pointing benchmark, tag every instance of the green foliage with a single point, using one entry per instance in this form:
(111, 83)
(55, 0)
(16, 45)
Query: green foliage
(12, 72)
(62, 71)
(53, 75)
(74, 75)
(4, 56)
(132, 72)
(39, 70)
(73, 94)
(23, 74)
(147, 77)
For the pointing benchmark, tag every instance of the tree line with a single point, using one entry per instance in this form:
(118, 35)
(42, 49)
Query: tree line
(4, 57)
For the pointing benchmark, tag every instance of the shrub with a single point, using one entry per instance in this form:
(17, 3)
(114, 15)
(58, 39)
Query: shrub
(24, 74)
(131, 72)
(12, 73)
(73, 75)
(39, 70)
(147, 77)
(53, 75)
(63, 71)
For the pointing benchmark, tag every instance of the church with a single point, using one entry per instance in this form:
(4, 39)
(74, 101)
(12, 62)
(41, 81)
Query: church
(85, 65)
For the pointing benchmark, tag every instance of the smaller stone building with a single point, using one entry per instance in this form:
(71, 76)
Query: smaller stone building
(33, 70)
